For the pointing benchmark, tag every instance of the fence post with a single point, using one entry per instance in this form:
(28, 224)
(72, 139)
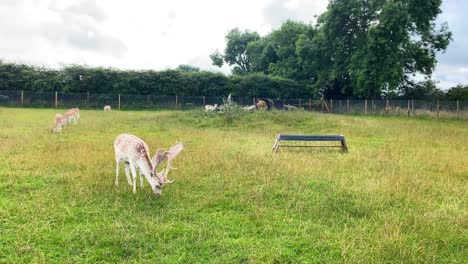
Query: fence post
(87, 99)
(386, 107)
(457, 109)
(347, 105)
(119, 101)
(176, 103)
(365, 107)
(253, 100)
(341, 111)
(55, 99)
(372, 106)
(147, 101)
(299, 103)
(22, 99)
(331, 105)
(409, 108)
(204, 100)
(412, 106)
(438, 106)
(310, 104)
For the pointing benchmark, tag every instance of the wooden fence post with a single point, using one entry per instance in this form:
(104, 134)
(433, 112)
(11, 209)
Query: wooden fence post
(299, 103)
(147, 101)
(119, 101)
(412, 106)
(55, 99)
(409, 109)
(457, 109)
(347, 105)
(331, 105)
(87, 99)
(310, 104)
(438, 106)
(324, 105)
(340, 107)
(386, 107)
(176, 103)
(204, 100)
(365, 107)
(253, 100)
(372, 105)
(22, 99)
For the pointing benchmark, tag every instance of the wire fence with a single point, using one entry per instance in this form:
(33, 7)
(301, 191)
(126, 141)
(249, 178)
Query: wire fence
(425, 108)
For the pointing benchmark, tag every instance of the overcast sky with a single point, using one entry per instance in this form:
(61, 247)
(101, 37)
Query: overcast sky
(161, 34)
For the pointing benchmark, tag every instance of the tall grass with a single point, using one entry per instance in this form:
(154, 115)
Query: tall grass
(399, 195)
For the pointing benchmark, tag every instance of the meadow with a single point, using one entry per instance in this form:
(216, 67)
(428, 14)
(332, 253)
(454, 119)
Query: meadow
(398, 196)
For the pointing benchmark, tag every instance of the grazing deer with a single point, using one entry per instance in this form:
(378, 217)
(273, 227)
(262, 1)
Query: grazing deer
(250, 107)
(72, 115)
(57, 128)
(107, 108)
(135, 153)
(261, 104)
(58, 118)
(211, 107)
(59, 121)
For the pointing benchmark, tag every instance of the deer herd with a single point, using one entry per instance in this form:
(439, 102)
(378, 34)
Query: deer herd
(260, 104)
(60, 121)
(133, 152)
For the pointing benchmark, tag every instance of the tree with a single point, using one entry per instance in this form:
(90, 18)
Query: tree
(366, 47)
(187, 68)
(284, 43)
(236, 51)
(458, 92)
(217, 58)
(426, 89)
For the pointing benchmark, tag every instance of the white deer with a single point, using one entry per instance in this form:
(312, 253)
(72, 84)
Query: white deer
(136, 155)
(107, 108)
(211, 107)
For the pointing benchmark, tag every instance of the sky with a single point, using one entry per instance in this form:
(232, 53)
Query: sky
(161, 34)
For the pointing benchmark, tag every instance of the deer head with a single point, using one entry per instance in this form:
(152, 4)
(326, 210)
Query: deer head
(170, 155)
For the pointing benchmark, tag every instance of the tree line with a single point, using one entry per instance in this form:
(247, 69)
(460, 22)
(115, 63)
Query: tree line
(185, 80)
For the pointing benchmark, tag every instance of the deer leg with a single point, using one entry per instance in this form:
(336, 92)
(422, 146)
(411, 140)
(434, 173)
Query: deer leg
(117, 172)
(141, 178)
(134, 174)
(127, 173)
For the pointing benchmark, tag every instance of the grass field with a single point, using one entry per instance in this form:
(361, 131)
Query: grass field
(399, 195)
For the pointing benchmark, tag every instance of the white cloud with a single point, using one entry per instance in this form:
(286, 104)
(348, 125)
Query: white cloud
(157, 34)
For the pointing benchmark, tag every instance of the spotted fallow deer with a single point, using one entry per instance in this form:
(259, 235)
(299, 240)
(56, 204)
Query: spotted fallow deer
(211, 107)
(57, 128)
(72, 115)
(107, 108)
(58, 123)
(136, 155)
(58, 118)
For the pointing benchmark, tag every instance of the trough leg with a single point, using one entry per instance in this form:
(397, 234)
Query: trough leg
(276, 145)
(344, 147)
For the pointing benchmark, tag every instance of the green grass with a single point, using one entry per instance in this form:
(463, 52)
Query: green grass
(399, 195)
